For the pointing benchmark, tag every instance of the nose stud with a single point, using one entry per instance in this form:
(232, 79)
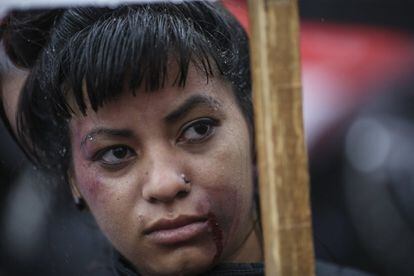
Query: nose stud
(185, 179)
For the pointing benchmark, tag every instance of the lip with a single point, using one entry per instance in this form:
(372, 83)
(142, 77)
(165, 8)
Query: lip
(178, 230)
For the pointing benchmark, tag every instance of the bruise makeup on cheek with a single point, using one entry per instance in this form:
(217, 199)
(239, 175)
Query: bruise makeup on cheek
(93, 189)
(88, 176)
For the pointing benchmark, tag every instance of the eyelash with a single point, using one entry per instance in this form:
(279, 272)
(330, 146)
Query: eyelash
(210, 123)
(99, 156)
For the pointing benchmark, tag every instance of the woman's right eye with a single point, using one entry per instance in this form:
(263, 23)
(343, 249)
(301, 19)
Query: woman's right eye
(115, 155)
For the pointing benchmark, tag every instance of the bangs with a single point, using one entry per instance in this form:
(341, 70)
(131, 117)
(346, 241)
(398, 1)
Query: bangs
(133, 48)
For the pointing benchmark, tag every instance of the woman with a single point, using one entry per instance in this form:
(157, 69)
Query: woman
(146, 112)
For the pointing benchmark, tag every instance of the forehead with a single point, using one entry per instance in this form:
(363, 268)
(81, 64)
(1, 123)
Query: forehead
(143, 106)
(153, 103)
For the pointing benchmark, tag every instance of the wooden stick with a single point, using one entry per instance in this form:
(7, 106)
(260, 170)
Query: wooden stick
(282, 159)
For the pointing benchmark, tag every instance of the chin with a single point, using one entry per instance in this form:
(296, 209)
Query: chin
(179, 263)
(189, 269)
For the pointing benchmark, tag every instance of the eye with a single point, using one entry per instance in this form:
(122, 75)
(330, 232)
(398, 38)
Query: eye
(197, 131)
(115, 155)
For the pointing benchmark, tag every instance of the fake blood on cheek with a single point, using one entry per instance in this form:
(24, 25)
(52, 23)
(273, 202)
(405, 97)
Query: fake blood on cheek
(217, 233)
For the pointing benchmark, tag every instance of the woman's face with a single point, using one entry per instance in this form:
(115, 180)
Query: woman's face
(168, 175)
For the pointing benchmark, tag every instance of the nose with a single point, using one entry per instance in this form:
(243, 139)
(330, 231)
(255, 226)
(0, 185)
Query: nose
(165, 181)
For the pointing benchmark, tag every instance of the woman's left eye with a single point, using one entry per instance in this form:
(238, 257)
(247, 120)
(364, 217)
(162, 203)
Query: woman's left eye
(197, 131)
(115, 155)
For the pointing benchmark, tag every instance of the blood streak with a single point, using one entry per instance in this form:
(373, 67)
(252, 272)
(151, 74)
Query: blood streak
(217, 235)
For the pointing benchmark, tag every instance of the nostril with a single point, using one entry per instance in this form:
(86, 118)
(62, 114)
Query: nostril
(152, 200)
(163, 186)
(182, 194)
(179, 195)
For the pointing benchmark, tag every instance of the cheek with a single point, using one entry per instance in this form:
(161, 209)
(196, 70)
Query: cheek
(110, 199)
(228, 183)
(104, 195)
(101, 198)
(97, 187)
(110, 204)
(232, 186)
(92, 188)
(230, 171)
(88, 182)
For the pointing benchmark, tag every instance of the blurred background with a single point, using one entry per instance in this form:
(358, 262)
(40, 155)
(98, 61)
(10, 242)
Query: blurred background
(357, 67)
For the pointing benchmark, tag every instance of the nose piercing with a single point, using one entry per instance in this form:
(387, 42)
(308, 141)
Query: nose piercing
(186, 181)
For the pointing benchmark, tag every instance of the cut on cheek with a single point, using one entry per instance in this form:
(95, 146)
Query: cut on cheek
(224, 220)
(217, 233)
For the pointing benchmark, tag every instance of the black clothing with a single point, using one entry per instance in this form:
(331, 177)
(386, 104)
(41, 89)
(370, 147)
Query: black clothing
(123, 268)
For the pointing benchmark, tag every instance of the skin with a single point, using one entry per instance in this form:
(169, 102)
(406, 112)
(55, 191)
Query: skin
(128, 161)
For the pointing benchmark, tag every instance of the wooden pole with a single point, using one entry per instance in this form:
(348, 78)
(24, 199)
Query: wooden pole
(282, 159)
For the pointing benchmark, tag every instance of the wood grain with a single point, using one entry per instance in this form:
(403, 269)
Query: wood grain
(281, 152)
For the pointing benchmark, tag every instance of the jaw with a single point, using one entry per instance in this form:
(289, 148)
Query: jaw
(250, 250)
(184, 260)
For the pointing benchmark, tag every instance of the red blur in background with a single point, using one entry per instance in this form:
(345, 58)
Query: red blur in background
(343, 65)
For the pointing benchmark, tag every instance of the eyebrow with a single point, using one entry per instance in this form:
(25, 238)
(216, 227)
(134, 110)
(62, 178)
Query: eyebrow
(190, 104)
(124, 133)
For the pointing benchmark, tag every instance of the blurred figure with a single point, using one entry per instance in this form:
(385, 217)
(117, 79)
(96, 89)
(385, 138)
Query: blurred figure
(354, 74)
(363, 186)
(379, 179)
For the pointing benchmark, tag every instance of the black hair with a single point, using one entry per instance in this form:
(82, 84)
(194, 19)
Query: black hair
(23, 34)
(96, 53)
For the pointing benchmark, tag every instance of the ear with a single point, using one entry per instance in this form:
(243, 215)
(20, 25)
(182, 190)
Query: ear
(73, 185)
(77, 196)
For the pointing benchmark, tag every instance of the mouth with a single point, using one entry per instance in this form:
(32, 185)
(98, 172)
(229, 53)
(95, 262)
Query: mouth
(178, 230)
